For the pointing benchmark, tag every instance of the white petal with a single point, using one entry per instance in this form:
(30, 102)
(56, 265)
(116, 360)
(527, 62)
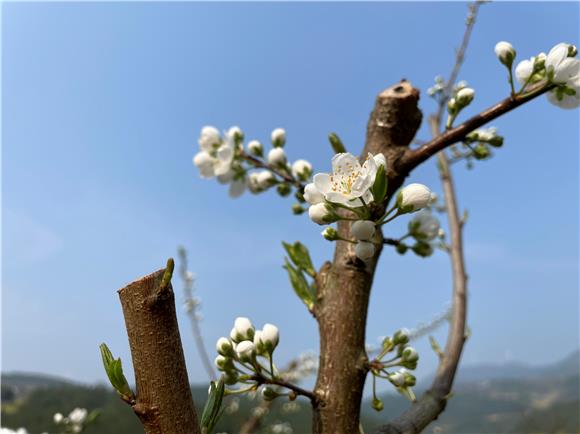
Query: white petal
(312, 195)
(345, 162)
(322, 182)
(524, 70)
(205, 164)
(567, 102)
(556, 55)
(567, 70)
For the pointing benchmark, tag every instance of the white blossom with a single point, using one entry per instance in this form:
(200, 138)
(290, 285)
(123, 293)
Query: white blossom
(505, 52)
(564, 69)
(302, 169)
(57, 418)
(252, 182)
(363, 230)
(209, 139)
(563, 100)
(380, 160)
(235, 132)
(224, 346)
(349, 182)
(278, 137)
(364, 250)
(410, 354)
(397, 378)
(78, 415)
(277, 157)
(215, 157)
(465, 96)
(424, 226)
(312, 195)
(413, 197)
(524, 70)
(245, 351)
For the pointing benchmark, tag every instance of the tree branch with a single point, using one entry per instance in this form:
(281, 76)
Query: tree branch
(163, 400)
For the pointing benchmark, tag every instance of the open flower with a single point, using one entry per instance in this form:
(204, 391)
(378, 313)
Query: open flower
(216, 155)
(561, 64)
(350, 182)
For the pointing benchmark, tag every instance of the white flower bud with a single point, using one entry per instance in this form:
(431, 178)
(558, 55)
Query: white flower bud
(224, 346)
(278, 137)
(364, 250)
(270, 336)
(265, 179)
(363, 230)
(380, 160)
(253, 185)
(244, 328)
(410, 354)
(78, 415)
(401, 336)
(505, 52)
(302, 169)
(277, 157)
(209, 138)
(221, 362)
(397, 378)
(205, 164)
(312, 195)
(58, 417)
(245, 351)
(320, 214)
(413, 197)
(268, 394)
(465, 96)
(255, 148)
(236, 133)
(258, 345)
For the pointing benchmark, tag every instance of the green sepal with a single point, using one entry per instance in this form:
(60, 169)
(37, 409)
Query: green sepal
(300, 285)
(211, 411)
(379, 188)
(300, 256)
(336, 144)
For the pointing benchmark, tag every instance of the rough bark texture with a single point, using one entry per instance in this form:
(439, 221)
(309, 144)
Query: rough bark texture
(344, 285)
(164, 403)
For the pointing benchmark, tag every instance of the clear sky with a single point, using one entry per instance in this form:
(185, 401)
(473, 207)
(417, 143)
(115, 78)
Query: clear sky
(102, 106)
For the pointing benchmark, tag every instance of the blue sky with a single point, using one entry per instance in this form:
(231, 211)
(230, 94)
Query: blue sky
(102, 105)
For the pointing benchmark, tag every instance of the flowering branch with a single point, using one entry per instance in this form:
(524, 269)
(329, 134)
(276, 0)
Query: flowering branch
(284, 175)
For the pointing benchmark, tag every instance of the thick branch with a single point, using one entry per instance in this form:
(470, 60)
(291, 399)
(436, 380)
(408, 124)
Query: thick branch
(344, 286)
(164, 403)
(413, 158)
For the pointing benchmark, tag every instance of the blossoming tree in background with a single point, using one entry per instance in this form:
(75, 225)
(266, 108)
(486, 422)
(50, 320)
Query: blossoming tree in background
(360, 196)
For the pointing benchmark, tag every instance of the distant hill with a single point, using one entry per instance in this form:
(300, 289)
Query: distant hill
(512, 398)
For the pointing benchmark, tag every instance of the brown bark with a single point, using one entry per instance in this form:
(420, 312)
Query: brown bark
(344, 285)
(163, 403)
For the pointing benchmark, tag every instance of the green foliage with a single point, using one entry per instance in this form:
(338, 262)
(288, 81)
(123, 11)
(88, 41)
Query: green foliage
(300, 256)
(211, 412)
(114, 370)
(379, 188)
(300, 285)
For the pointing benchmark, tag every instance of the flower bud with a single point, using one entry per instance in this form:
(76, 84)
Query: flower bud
(330, 234)
(58, 417)
(378, 404)
(410, 354)
(380, 160)
(256, 148)
(284, 189)
(209, 138)
(265, 179)
(245, 351)
(464, 97)
(364, 250)
(363, 230)
(244, 328)
(401, 248)
(388, 344)
(269, 394)
(253, 184)
(413, 197)
(397, 379)
(270, 337)
(423, 249)
(297, 209)
(302, 170)
(231, 377)
(401, 336)
(312, 195)
(505, 52)
(237, 134)
(278, 137)
(410, 379)
(258, 345)
(277, 157)
(223, 363)
(224, 347)
(481, 152)
(322, 213)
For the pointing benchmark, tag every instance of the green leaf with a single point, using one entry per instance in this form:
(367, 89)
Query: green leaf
(300, 256)
(379, 188)
(211, 411)
(337, 145)
(114, 370)
(300, 285)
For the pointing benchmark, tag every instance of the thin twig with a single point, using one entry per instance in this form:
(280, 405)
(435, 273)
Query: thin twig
(189, 302)
(285, 176)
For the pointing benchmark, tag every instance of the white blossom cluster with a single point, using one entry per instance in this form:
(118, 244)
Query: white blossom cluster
(239, 356)
(74, 422)
(559, 67)
(225, 157)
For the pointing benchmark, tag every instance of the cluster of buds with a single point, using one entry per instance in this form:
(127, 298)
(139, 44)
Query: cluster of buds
(424, 228)
(241, 355)
(77, 420)
(479, 143)
(247, 167)
(404, 357)
(559, 67)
